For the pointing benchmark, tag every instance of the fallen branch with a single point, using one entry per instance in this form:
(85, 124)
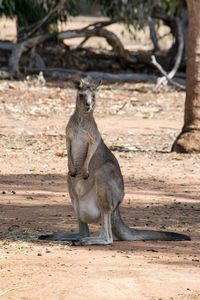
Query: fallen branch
(19, 49)
(110, 37)
(75, 75)
(4, 74)
(6, 45)
(91, 30)
(98, 24)
(36, 60)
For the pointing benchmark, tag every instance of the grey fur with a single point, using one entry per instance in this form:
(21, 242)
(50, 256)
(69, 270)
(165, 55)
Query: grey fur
(95, 181)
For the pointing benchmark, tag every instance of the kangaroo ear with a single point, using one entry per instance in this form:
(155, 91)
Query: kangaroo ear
(81, 83)
(75, 84)
(87, 83)
(95, 84)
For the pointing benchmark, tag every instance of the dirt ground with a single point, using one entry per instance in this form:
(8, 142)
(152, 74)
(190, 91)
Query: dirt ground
(162, 192)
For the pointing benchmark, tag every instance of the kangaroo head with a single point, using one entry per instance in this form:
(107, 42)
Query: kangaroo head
(85, 100)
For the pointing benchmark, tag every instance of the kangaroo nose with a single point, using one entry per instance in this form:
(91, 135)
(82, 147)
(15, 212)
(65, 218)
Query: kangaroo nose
(88, 102)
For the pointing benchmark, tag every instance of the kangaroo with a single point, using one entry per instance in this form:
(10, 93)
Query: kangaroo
(95, 181)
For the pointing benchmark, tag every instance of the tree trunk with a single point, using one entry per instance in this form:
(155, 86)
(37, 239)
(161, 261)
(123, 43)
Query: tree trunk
(188, 140)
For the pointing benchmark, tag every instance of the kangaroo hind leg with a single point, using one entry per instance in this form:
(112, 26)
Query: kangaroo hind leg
(104, 201)
(70, 236)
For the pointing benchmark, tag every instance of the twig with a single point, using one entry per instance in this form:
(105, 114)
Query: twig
(164, 36)
(14, 288)
(95, 25)
(172, 73)
(83, 42)
(124, 148)
(153, 34)
(54, 11)
(163, 72)
(100, 24)
(121, 107)
(179, 55)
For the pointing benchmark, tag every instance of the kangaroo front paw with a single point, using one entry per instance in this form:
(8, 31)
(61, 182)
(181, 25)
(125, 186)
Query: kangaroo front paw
(85, 174)
(72, 173)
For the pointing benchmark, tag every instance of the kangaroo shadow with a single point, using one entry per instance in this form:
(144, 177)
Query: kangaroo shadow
(34, 204)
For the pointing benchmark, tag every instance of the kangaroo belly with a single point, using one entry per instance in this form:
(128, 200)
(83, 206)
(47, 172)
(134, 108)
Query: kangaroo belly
(88, 209)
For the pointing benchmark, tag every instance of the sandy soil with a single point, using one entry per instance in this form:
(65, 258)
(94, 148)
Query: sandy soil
(162, 192)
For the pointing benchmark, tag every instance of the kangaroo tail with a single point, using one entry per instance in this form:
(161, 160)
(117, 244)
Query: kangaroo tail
(125, 233)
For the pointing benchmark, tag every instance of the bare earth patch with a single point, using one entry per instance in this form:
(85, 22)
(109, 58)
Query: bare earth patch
(162, 192)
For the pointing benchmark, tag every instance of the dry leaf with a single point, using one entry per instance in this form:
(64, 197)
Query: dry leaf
(61, 154)
(12, 86)
(177, 158)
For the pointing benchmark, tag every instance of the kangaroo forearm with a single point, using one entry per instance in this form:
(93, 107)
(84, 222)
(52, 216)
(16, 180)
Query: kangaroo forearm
(71, 166)
(91, 150)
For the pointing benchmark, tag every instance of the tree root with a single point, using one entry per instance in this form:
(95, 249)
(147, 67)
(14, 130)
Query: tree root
(187, 142)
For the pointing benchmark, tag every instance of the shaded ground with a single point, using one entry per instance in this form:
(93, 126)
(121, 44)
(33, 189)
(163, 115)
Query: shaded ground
(162, 191)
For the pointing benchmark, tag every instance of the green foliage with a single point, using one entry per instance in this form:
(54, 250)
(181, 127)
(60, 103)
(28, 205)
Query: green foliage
(132, 12)
(135, 12)
(30, 12)
(169, 6)
(7, 8)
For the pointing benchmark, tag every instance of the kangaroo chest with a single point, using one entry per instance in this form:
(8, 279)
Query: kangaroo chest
(79, 147)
